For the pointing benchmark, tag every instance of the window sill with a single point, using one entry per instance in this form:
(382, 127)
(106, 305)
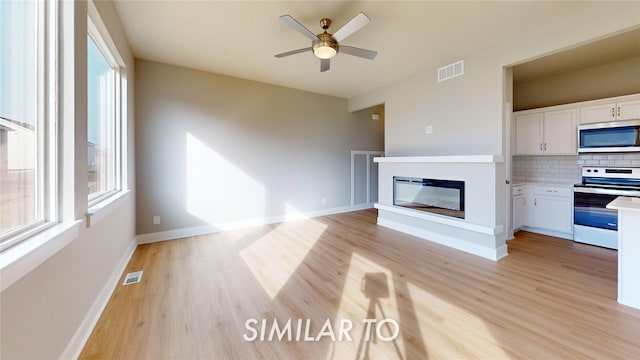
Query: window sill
(98, 211)
(18, 260)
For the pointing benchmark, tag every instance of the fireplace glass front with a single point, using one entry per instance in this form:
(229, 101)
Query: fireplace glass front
(442, 197)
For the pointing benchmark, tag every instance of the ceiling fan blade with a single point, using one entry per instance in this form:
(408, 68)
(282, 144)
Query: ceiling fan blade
(296, 25)
(358, 22)
(292, 52)
(363, 53)
(324, 64)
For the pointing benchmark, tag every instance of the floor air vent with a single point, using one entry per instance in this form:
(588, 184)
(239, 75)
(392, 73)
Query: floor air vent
(451, 71)
(132, 278)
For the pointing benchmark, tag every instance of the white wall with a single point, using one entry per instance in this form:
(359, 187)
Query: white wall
(467, 111)
(42, 312)
(214, 150)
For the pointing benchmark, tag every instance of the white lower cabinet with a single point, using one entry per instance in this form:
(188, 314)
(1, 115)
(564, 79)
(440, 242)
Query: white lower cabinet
(552, 213)
(543, 207)
(519, 204)
(518, 211)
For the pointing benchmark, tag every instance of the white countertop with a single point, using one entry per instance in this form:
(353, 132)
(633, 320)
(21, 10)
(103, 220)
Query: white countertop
(625, 203)
(488, 159)
(542, 184)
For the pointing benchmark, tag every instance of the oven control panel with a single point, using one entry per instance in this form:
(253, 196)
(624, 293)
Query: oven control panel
(619, 173)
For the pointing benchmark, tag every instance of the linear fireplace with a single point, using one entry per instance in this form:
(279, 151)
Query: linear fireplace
(443, 197)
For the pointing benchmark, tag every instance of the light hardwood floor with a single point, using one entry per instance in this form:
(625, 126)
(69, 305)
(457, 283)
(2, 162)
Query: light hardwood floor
(549, 299)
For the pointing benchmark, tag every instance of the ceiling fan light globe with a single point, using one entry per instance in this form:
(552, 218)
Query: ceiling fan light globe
(325, 52)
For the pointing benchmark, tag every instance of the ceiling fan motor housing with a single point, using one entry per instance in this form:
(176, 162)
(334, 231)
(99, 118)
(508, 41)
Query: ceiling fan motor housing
(325, 40)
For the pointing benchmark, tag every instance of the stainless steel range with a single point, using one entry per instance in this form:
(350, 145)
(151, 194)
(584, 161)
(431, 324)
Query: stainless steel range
(593, 223)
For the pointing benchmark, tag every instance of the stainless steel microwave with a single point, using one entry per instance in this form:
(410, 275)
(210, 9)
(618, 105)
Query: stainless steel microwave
(617, 136)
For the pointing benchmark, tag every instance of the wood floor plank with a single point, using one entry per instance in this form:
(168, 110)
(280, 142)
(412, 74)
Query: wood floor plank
(549, 299)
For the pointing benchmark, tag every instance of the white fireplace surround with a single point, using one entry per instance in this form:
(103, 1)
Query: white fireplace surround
(481, 232)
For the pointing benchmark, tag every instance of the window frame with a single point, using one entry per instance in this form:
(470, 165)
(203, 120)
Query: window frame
(46, 169)
(102, 41)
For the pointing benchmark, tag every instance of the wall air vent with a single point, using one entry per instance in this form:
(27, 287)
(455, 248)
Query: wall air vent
(451, 71)
(132, 278)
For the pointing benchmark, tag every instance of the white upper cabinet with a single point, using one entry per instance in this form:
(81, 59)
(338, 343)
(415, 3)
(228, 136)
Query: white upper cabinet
(529, 133)
(551, 132)
(628, 110)
(560, 132)
(615, 111)
(598, 113)
(554, 130)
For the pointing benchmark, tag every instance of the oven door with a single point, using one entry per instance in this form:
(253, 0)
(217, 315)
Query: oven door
(593, 223)
(590, 208)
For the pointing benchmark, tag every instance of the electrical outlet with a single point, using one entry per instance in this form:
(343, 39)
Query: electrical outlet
(428, 129)
(156, 220)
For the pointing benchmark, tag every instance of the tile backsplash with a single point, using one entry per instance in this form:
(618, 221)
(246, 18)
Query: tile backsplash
(565, 169)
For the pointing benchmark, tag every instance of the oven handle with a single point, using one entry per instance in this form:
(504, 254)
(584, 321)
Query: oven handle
(590, 190)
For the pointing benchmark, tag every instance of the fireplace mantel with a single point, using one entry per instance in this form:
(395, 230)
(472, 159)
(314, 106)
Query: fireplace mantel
(453, 159)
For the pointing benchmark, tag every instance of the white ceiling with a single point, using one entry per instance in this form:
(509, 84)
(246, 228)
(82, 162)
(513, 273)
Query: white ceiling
(239, 38)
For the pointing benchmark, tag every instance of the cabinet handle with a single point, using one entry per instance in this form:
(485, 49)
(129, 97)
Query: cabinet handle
(618, 111)
(545, 146)
(613, 112)
(540, 146)
(535, 202)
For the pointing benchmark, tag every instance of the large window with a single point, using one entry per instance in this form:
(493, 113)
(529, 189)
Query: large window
(27, 131)
(103, 128)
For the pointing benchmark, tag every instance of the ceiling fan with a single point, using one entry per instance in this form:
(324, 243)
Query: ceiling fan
(325, 45)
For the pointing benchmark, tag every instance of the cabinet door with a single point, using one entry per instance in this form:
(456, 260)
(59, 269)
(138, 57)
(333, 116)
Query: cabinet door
(518, 211)
(527, 208)
(529, 134)
(560, 132)
(598, 113)
(628, 110)
(552, 213)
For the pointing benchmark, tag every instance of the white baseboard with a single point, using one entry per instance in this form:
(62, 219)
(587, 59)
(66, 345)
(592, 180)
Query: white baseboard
(566, 236)
(501, 252)
(213, 228)
(482, 251)
(79, 339)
